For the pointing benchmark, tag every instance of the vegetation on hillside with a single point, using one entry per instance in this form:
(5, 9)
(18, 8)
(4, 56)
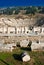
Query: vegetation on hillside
(16, 10)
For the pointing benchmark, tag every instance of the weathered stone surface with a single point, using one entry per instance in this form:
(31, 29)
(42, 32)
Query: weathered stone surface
(37, 46)
(24, 43)
(25, 57)
(7, 47)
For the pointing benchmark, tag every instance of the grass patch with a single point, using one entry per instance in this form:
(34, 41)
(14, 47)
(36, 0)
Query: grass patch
(37, 58)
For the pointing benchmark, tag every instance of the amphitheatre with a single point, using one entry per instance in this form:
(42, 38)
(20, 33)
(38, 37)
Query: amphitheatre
(15, 29)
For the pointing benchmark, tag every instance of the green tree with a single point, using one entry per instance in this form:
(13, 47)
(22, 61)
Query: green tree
(17, 11)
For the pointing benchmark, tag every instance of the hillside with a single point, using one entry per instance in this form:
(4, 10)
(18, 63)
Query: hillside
(22, 10)
(28, 20)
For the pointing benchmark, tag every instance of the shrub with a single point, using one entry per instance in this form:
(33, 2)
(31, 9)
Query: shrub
(30, 43)
(18, 44)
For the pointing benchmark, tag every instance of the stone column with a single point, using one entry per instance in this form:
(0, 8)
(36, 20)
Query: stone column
(15, 30)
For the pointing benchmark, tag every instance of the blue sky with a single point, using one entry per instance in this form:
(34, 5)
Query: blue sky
(7, 3)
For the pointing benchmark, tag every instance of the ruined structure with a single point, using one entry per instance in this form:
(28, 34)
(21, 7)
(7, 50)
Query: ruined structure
(16, 30)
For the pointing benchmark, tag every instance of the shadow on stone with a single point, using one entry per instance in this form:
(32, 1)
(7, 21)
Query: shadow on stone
(26, 48)
(17, 57)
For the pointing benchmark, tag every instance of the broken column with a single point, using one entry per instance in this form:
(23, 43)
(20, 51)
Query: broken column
(25, 57)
